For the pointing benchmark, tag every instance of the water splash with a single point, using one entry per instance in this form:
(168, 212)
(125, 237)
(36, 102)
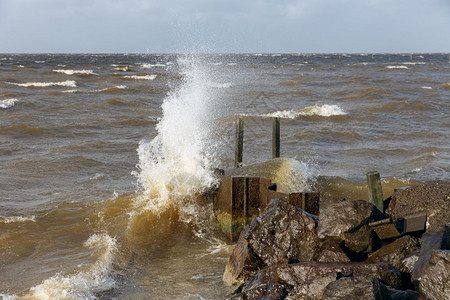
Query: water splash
(177, 164)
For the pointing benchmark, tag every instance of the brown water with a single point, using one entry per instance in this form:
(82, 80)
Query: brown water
(75, 223)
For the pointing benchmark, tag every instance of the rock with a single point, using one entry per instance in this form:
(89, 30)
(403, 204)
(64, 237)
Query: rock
(356, 288)
(436, 239)
(308, 280)
(395, 252)
(333, 253)
(404, 295)
(435, 279)
(283, 233)
(410, 261)
(431, 197)
(345, 216)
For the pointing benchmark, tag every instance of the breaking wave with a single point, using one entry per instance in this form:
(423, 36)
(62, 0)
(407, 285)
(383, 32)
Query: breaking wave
(176, 166)
(68, 83)
(325, 110)
(84, 284)
(149, 66)
(7, 103)
(75, 72)
(396, 67)
(141, 77)
(111, 89)
(17, 219)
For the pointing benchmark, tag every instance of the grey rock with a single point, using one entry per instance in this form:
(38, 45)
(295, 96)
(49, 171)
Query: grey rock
(333, 253)
(435, 279)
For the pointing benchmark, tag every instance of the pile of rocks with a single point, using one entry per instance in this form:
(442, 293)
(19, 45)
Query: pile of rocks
(352, 251)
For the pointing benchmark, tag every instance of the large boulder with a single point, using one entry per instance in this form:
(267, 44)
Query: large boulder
(308, 280)
(396, 252)
(431, 197)
(282, 234)
(346, 222)
(435, 279)
(333, 253)
(356, 288)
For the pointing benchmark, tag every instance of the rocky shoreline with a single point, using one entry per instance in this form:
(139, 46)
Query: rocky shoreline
(351, 250)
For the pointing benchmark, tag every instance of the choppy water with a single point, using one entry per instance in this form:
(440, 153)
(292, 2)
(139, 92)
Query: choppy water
(94, 147)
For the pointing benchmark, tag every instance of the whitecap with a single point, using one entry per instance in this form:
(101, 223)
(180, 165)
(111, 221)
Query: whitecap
(17, 219)
(7, 103)
(70, 91)
(426, 87)
(111, 89)
(73, 72)
(68, 83)
(149, 66)
(396, 67)
(141, 77)
(316, 110)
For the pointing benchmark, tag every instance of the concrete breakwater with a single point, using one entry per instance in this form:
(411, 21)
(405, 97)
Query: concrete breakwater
(350, 250)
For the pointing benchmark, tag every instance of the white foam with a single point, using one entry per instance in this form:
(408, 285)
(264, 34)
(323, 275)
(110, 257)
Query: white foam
(17, 219)
(110, 89)
(68, 83)
(178, 162)
(316, 110)
(70, 91)
(141, 77)
(121, 68)
(426, 87)
(7, 103)
(72, 72)
(396, 67)
(149, 66)
(84, 284)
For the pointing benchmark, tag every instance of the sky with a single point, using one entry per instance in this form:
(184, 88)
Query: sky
(224, 26)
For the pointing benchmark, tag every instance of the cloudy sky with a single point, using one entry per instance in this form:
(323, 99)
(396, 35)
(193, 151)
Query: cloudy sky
(290, 26)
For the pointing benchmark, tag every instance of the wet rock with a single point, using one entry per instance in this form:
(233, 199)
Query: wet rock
(363, 240)
(431, 197)
(435, 279)
(395, 252)
(356, 288)
(410, 261)
(344, 217)
(283, 233)
(333, 253)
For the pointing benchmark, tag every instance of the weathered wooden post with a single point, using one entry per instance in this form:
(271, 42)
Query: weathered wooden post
(239, 143)
(375, 190)
(276, 138)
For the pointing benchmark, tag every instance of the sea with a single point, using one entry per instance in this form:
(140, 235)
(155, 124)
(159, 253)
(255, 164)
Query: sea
(105, 159)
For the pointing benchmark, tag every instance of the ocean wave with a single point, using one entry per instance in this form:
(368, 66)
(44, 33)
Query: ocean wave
(68, 83)
(426, 87)
(17, 219)
(75, 72)
(141, 77)
(7, 103)
(316, 110)
(396, 67)
(85, 284)
(121, 68)
(111, 89)
(149, 66)
(70, 91)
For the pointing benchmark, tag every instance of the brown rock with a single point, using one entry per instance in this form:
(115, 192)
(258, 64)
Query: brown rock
(356, 288)
(431, 197)
(396, 252)
(283, 233)
(333, 253)
(345, 216)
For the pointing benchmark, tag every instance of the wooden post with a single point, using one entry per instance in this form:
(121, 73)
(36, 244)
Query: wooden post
(239, 143)
(375, 191)
(276, 138)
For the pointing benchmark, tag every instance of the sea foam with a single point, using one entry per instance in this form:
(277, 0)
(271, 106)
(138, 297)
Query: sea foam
(84, 284)
(75, 72)
(17, 219)
(325, 110)
(68, 83)
(141, 77)
(7, 103)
